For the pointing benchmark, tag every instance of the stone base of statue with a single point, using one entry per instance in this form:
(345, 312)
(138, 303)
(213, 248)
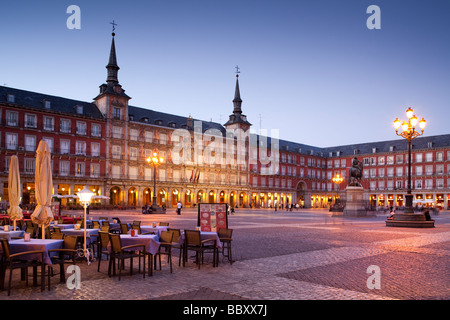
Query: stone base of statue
(354, 206)
(410, 220)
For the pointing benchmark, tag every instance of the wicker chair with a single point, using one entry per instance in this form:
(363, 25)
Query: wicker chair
(102, 249)
(121, 253)
(164, 224)
(123, 228)
(193, 242)
(66, 255)
(226, 236)
(176, 244)
(96, 224)
(19, 261)
(165, 241)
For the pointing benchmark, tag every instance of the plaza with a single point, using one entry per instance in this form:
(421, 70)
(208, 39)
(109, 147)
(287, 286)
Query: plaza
(280, 255)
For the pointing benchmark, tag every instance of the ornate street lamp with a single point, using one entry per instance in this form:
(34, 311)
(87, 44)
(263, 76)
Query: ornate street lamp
(154, 161)
(409, 132)
(85, 197)
(337, 179)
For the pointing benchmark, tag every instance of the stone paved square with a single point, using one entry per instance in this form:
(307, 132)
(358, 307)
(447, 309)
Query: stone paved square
(299, 255)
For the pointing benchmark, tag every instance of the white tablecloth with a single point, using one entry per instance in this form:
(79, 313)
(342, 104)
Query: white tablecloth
(157, 230)
(204, 235)
(36, 244)
(90, 233)
(149, 241)
(9, 234)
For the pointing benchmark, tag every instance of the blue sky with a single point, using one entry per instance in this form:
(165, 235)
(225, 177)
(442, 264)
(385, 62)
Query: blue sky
(311, 69)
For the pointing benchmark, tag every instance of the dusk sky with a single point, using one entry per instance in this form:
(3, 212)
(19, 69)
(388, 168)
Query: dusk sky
(311, 69)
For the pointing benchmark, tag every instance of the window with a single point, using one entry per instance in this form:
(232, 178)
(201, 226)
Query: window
(390, 159)
(162, 138)
(64, 168)
(116, 152)
(390, 184)
(148, 174)
(133, 153)
(65, 126)
(439, 156)
(117, 133)
(429, 184)
(117, 113)
(81, 128)
(440, 169)
(95, 149)
(29, 165)
(373, 173)
(343, 163)
(440, 183)
(80, 148)
(49, 142)
(418, 184)
(381, 172)
(30, 143)
(30, 120)
(381, 184)
(96, 130)
(79, 169)
(12, 118)
(115, 171)
(429, 170)
(419, 157)
(419, 170)
(429, 156)
(399, 158)
(148, 136)
(95, 170)
(11, 141)
(11, 98)
(399, 171)
(134, 134)
(133, 172)
(49, 123)
(47, 104)
(399, 184)
(373, 185)
(390, 172)
(79, 109)
(64, 146)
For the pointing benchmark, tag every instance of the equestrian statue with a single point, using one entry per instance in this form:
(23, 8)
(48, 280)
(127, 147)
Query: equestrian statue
(355, 173)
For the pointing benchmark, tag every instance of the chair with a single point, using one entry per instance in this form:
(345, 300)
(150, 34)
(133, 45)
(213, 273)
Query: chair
(104, 218)
(105, 228)
(121, 253)
(96, 224)
(136, 223)
(165, 241)
(117, 219)
(225, 236)
(65, 255)
(164, 224)
(123, 228)
(175, 242)
(102, 249)
(16, 261)
(193, 242)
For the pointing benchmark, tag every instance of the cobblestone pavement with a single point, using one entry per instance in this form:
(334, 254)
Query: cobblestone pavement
(299, 255)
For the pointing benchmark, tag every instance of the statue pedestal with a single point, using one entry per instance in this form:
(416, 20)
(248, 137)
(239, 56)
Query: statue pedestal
(354, 206)
(410, 220)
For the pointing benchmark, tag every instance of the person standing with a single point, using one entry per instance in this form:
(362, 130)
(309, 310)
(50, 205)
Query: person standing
(179, 206)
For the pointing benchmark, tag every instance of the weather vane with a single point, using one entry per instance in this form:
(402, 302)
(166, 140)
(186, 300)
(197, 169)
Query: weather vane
(114, 26)
(237, 71)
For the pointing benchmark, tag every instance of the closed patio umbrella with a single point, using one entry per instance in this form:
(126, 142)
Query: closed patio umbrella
(43, 215)
(14, 191)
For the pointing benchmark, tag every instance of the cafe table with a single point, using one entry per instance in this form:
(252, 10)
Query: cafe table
(11, 234)
(157, 229)
(149, 241)
(20, 245)
(90, 233)
(205, 235)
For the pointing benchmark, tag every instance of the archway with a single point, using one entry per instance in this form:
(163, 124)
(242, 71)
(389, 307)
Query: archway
(201, 196)
(212, 196)
(132, 196)
(301, 188)
(188, 198)
(242, 199)
(162, 197)
(147, 197)
(175, 197)
(115, 194)
(222, 197)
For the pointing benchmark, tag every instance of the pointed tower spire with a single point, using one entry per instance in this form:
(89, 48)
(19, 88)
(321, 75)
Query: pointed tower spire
(237, 119)
(112, 66)
(237, 101)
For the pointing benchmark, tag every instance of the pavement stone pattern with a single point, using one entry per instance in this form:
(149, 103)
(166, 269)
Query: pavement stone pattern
(299, 255)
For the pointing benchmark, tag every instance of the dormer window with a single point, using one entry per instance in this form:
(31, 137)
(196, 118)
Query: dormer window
(79, 109)
(145, 119)
(130, 117)
(11, 98)
(172, 124)
(159, 122)
(47, 104)
(391, 148)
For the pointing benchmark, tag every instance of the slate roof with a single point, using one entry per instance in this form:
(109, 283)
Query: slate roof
(59, 105)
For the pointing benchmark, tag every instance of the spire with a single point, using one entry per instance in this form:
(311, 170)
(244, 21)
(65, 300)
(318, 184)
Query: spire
(237, 101)
(112, 66)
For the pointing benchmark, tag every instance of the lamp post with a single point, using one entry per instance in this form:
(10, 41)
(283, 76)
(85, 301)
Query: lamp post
(85, 197)
(154, 161)
(337, 179)
(409, 132)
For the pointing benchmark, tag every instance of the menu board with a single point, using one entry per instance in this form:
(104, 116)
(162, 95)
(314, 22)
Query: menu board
(212, 216)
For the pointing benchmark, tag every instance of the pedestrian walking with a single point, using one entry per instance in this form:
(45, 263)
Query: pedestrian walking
(179, 206)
